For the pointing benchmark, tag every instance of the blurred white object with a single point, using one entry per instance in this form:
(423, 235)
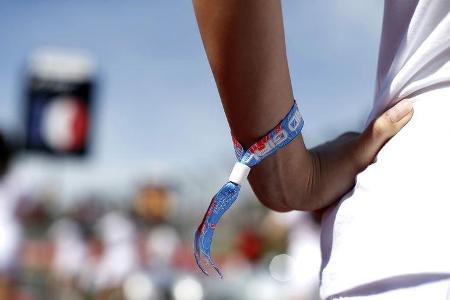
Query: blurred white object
(139, 286)
(61, 64)
(114, 228)
(10, 238)
(282, 267)
(262, 287)
(10, 228)
(187, 288)
(70, 250)
(120, 257)
(304, 248)
(162, 241)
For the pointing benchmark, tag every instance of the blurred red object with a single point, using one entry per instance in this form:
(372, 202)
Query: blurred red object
(249, 243)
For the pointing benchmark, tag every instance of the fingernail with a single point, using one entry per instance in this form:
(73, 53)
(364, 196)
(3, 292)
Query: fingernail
(400, 110)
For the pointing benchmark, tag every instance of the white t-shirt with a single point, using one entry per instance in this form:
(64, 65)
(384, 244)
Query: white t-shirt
(414, 52)
(395, 223)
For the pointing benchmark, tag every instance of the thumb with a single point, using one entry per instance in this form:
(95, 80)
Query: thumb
(381, 130)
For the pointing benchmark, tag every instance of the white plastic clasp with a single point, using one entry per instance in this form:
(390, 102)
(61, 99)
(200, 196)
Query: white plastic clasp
(239, 173)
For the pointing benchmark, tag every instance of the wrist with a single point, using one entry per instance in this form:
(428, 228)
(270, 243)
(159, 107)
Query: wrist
(249, 122)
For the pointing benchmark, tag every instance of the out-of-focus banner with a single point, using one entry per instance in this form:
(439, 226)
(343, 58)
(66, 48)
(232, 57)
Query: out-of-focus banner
(59, 96)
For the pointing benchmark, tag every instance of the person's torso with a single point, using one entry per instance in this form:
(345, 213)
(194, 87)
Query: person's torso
(396, 220)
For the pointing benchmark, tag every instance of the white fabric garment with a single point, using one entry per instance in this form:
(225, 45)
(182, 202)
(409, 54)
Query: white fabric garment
(414, 50)
(70, 249)
(10, 228)
(120, 258)
(435, 290)
(396, 221)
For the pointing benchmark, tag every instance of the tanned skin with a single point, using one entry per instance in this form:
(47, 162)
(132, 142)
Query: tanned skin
(245, 46)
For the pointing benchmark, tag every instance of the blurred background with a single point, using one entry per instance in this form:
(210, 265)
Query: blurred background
(113, 140)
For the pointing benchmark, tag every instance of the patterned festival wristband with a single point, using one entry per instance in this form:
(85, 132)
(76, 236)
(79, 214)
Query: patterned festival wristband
(277, 138)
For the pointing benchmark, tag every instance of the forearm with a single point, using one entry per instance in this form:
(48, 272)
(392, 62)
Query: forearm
(244, 42)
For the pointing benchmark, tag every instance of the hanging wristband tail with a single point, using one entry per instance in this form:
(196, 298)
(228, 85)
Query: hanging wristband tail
(277, 138)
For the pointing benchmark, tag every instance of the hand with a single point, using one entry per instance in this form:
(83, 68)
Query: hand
(337, 163)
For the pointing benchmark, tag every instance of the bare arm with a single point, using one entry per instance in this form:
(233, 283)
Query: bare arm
(244, 42)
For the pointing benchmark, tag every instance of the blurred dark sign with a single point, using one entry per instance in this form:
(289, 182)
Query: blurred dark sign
(59, 97)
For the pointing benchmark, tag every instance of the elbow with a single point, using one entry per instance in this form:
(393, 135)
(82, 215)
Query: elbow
(299, 199)
(307, 203)
(303, 201)
(283, 188)
(274, 203)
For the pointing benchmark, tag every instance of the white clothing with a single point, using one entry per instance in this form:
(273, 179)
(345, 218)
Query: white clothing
(396, 220)
(120, 258)
(70, 249)
(10, 228)
(414, 52)
(434, 290)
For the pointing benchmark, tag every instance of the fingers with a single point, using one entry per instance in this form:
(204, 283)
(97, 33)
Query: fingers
(390, 122)
(381, 130)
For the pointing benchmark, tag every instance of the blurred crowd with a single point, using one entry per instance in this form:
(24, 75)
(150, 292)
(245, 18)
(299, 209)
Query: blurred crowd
(137, 249)
(136, 246)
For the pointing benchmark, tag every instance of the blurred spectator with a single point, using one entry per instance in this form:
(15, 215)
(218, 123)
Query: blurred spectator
(119, 254)
(162, 242)
(69, 250)
(10, 228)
